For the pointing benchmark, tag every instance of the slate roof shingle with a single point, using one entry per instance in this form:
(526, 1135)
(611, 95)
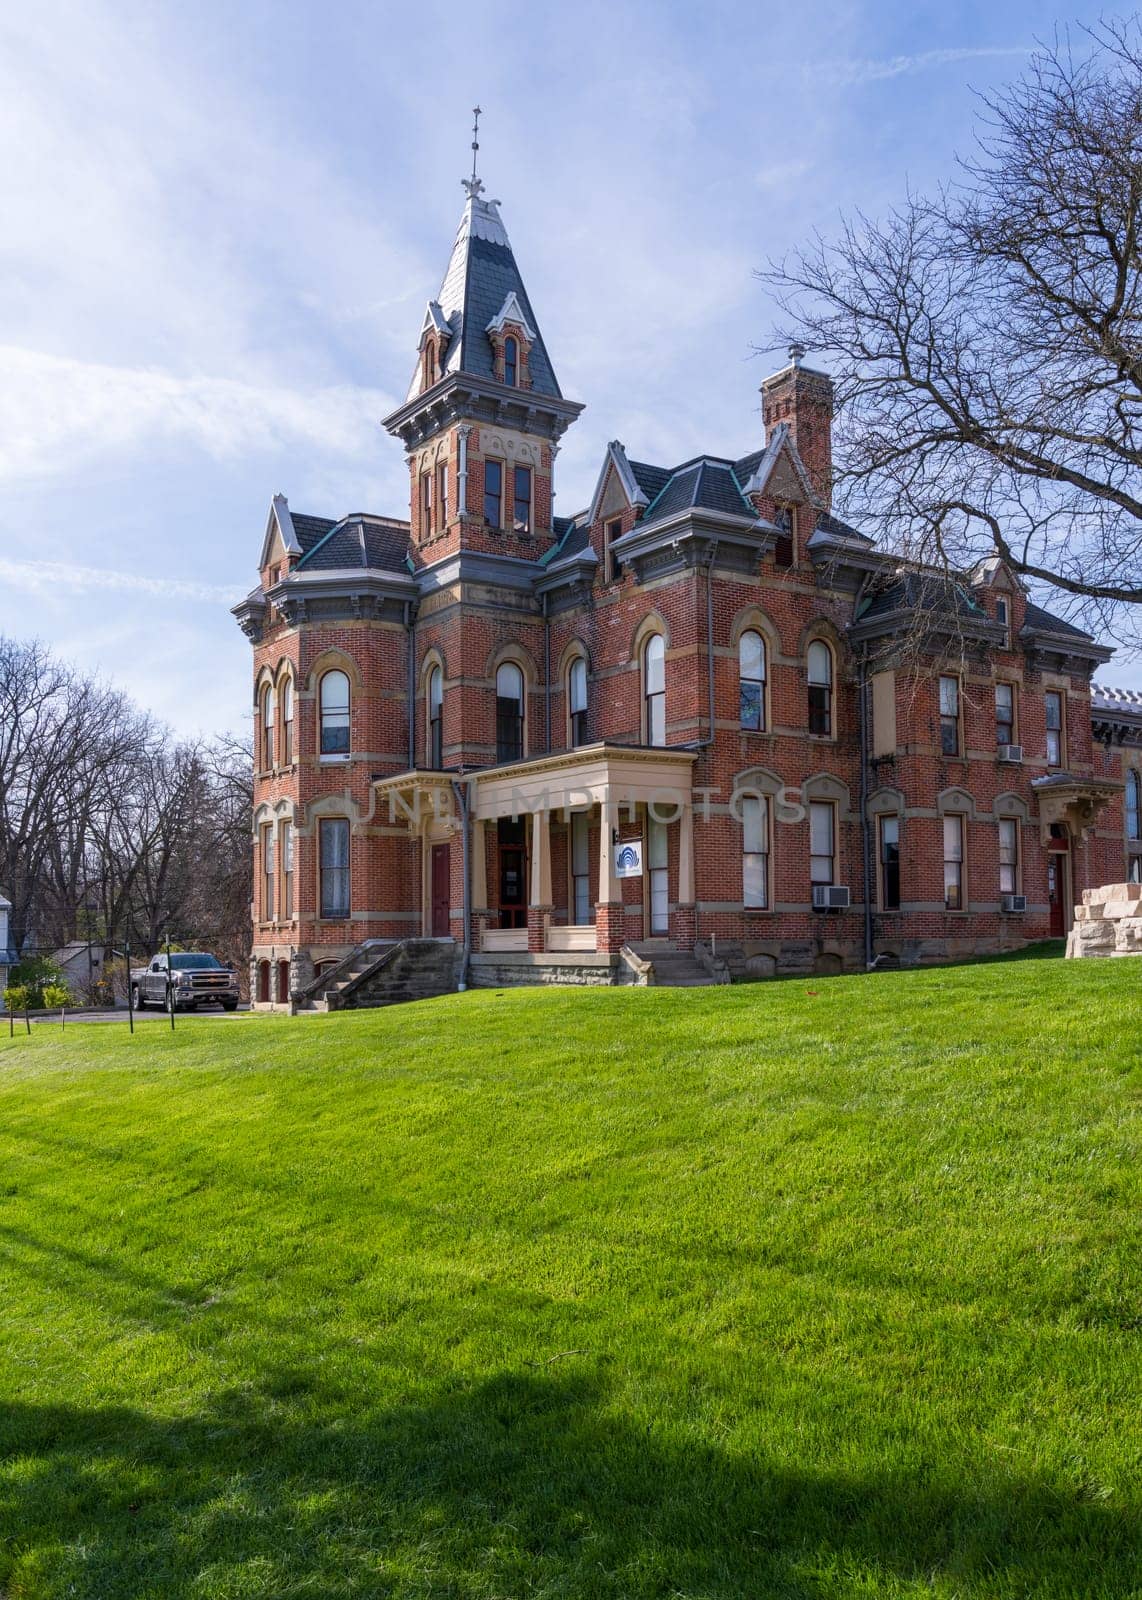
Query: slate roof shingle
(1041, 621)
(706, 483)
(356, 542)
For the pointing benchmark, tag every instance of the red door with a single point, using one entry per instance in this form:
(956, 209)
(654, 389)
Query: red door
(441, 898)
(1057, 889)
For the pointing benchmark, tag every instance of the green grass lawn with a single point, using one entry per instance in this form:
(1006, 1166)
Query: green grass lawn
(825, 1288)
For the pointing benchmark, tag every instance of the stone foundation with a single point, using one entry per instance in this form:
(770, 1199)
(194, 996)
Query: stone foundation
(1108, 923)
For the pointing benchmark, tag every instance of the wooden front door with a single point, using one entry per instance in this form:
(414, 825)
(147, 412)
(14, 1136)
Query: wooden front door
(441, 896)
(512, 841)
(1057, 887)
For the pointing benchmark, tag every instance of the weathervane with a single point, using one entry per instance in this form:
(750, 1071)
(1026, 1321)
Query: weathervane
(473, 184)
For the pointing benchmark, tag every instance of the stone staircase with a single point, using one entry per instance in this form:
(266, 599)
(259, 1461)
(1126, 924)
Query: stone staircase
(377, 974)
(679, 969)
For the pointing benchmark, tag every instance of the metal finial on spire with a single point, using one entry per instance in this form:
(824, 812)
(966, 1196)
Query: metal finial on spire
(473, 184)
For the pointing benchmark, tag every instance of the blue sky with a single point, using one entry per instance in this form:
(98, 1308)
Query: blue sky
(221, 224)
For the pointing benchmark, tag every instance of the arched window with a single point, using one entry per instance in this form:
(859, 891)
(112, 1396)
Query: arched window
(287, 722)
(820, 674)
(654, 688)
(334, 697)
(509, 713)
(283, 982)
(511, 361)
(435, 718)
(577, 701)
(267, 728)
(1133, 806)
(429, 366)
(751, 675)
(263, 983)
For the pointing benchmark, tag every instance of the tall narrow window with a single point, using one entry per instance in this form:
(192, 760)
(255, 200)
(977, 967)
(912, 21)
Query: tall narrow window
(820, 672)
(509, 713)
(1004, 713)
(287, 722)
(287, 870)
(577, 701)
(494, 492)
(1133, 805)
(953, 863)
(334, 714)
(267, 728)
(436, 718)
(580, 868)
(268, 873)
(890, 863)
(333, 847)
(1002, 616)
(657, 857)
(1054, 709)
(1008, 855)
(751, 677)
(612, 566)
(950, 716)
(784, 547)
(442, 496)
(521, 512)
(429, 366)
(755, 851)
(654, 688)
(822, 842)
(511, 361)
(426, 503)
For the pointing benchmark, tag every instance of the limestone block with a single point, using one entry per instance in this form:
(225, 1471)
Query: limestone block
(1086, 913)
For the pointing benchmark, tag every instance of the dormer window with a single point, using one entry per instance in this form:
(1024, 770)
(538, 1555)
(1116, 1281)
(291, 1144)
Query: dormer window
(511, 362)
(784, 552)
(429, 366)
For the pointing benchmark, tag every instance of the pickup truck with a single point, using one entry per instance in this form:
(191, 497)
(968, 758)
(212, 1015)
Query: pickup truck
(198, 980)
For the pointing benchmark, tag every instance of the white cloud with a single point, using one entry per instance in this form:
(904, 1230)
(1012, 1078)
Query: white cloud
(46, 577)
(56, 411)
(780, 174)
(855, 71)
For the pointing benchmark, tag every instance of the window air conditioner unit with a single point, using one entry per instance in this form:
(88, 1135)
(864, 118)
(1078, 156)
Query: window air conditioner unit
(1014, 902)
(830, 897)
(1011, 752)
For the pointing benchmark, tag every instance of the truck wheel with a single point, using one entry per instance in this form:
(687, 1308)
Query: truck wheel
(137, 997)
(229, 1005)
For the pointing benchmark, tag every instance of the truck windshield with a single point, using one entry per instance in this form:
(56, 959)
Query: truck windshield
(192, 962)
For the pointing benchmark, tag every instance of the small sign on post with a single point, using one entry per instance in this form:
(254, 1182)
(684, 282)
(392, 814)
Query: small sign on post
(628, 859)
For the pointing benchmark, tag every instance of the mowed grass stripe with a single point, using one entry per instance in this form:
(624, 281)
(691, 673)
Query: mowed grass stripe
(816, 1288)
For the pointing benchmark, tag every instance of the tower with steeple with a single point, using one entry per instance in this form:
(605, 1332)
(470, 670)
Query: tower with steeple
(484, 413)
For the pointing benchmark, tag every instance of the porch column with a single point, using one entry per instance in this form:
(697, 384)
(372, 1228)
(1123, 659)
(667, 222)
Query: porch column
(686, 924)
(609, 929)
(539, 900)
(479, 850)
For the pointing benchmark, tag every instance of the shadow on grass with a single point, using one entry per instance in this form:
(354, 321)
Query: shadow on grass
(521, 1484)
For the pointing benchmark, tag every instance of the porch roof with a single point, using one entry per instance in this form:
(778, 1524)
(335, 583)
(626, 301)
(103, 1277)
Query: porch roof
(593, 774)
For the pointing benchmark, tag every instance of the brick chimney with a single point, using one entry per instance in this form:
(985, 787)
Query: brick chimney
(803, 399)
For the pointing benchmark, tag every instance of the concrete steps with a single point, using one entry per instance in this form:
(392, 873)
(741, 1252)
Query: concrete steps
(674, 969)
(385, 975)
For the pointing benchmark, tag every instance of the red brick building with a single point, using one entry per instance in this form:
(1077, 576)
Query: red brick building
(466, 720)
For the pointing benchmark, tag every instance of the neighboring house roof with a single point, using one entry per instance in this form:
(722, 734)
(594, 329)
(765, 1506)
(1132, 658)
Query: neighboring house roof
(478, 287)
(357, 541)
(1104, 698)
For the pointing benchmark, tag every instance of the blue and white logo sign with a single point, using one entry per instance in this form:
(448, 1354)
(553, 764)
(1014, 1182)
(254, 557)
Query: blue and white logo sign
(628, 859)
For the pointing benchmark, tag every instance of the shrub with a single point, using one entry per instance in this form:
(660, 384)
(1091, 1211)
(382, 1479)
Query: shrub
(16, 997)
(55, 996)
(35, 973)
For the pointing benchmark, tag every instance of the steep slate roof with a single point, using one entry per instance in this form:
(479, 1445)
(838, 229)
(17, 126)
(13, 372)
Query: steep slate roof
(827, 523)
(1040, 621)
(706, 483)
(918, 591)
(356, 542)
(482, 273)
(651, 480)
(310, 529)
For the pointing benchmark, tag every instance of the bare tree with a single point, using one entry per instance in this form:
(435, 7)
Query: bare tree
(989, 341)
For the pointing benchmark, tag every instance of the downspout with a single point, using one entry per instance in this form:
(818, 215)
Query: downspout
(410, 690)
(704, 744)
(460, 790)
(866, 852)
(547, 672)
